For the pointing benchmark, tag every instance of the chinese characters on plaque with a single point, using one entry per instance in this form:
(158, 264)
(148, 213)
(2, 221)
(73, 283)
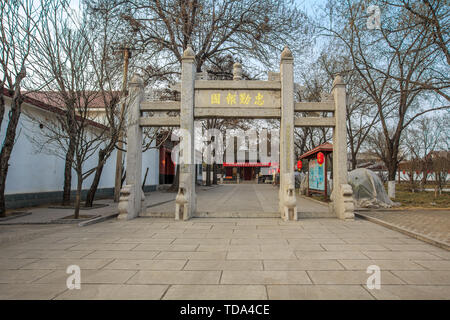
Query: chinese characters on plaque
(233, 98)
(240, 98)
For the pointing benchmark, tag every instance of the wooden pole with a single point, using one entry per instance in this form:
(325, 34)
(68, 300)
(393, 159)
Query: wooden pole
(117, 184)
(326, 182)
(307, 189)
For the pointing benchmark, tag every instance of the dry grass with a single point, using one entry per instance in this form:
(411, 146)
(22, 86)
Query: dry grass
(408, 199)
(424, 199)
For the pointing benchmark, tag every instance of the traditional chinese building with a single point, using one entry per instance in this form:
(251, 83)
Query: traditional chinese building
(318, 164)
(247, 171)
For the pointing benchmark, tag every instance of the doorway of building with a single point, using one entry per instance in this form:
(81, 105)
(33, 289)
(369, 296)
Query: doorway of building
(248, 174)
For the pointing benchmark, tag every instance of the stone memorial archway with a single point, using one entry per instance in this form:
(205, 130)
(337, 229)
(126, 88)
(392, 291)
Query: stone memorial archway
(273, 99)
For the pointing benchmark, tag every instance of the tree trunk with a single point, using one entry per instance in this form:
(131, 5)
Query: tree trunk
(411, 180)
(214, 173)
(208, 174)
(3, 173)
(68, 174)
(353, 162)
(145, 178)
(98, 173)
(424, 177)
(78, 195)
(392, 169)
(7, 148)
(124, 176)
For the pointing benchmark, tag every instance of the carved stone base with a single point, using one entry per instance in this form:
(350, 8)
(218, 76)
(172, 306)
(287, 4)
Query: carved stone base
(342, 204)
(181, 204)
(128, 208)
(289, 206)
(124, 201)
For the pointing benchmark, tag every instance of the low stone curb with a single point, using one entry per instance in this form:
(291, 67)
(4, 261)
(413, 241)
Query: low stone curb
(97, 220)
(23, 237)
(73, 221)
(95, 206)
(415, 235)
(315, 200)
(22, 214)
(159, 203)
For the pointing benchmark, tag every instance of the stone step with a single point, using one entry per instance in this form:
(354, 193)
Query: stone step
(241, 214)
(157, 214)
(316, 215)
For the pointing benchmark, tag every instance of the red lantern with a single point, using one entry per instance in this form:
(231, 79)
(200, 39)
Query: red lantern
(299, 164)
(320, 158)
(403, 171)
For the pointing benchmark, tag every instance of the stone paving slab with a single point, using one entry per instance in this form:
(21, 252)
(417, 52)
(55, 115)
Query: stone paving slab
(216, 292)
(115, 292)
(176, 277)
(386, 264)
(99, 276)
(428, 225)
(234, 265)
(350, 277)
(241, 200)
(216, 258)
(14, 233)
(304, 264)
(31, 291)
(318, 292)
(264, 277)
(427, 292)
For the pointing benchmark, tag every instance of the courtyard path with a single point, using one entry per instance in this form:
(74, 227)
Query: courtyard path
(243, 200)
(224, 258)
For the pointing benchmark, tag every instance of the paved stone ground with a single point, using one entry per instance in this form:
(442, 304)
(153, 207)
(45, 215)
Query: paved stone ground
(44, 214)
(214, 258)
(248, 200)
(433, 224)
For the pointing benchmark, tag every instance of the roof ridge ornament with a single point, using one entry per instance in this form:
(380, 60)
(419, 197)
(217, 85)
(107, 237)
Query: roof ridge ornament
(286, 54)
(136, 80)
(237, 71)
(189, 52)
(338, 80)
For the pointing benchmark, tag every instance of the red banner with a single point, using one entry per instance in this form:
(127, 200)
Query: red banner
(249, 164)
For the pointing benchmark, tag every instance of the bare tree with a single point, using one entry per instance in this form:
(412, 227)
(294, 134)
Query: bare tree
(362, 115)
(84, 76)
(441, 167)
(393, 63)
(422, 138)
(316, 85)
(433, 14)
(258, 29)
(18, 23)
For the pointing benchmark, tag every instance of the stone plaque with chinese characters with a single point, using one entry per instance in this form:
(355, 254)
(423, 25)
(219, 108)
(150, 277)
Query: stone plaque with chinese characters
(237, 98)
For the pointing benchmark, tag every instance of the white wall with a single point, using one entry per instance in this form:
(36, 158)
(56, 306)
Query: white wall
(33, 170)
